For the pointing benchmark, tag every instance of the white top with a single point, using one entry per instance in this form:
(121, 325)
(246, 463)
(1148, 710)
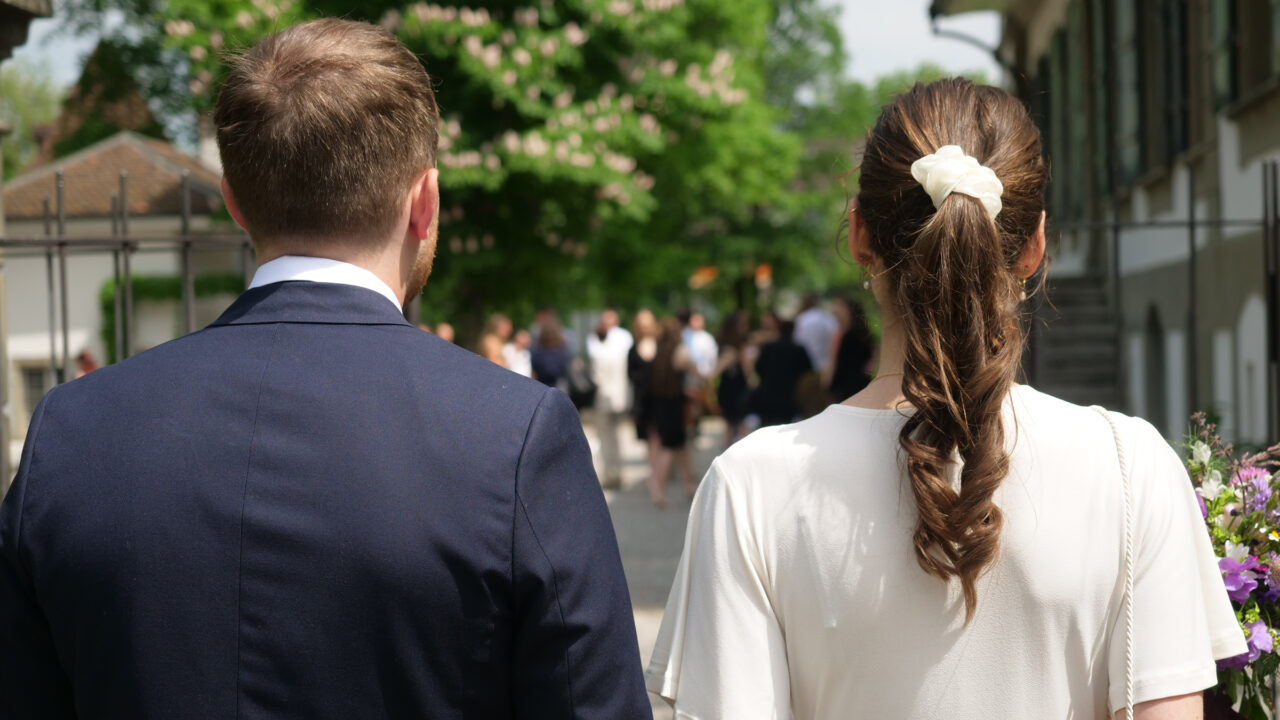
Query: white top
(315, 269)
(798, 593)
(609, 368)
(814, 330)
(518, 360)
(703, 351)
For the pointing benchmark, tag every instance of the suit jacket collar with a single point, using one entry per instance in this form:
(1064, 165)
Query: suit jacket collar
(310, 302)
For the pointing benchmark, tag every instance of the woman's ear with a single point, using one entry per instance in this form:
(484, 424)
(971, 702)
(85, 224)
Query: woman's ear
(1032, 252)
(860, 239)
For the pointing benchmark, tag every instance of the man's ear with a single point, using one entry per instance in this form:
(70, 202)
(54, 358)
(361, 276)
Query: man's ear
(232, 207)
(424, 203)
(1032, 253)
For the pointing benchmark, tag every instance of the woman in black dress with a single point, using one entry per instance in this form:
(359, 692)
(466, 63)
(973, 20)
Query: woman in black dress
(671, 364)
(732, 392)
(644, 349)
(851, 351)
(780, 366)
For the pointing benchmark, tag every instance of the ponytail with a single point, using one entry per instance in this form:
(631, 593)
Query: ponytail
(963, 344)
(949, 273)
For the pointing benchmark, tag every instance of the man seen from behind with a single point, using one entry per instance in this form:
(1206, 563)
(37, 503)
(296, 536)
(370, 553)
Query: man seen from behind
(310, 509)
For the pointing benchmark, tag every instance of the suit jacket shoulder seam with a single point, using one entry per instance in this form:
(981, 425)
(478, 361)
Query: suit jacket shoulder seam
(33, 433)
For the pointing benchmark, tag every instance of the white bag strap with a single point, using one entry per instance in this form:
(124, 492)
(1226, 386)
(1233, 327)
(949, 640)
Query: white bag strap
(1128, 565)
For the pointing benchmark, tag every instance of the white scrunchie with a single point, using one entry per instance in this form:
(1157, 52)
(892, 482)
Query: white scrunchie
(951, 170)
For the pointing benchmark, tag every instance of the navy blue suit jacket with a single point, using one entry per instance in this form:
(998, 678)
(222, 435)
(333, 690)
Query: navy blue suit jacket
(311, 509)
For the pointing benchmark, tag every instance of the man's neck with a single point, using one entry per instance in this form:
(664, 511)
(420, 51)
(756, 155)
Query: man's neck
(385, 268)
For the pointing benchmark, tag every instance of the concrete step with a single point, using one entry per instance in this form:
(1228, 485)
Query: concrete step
(1076, 315)
(1094, 335)
(1081, 349)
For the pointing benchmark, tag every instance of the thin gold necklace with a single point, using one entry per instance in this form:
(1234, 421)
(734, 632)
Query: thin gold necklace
(885, 375)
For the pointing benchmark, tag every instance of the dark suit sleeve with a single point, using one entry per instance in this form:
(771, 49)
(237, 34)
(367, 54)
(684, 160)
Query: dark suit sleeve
(575, 648)
(32, 682)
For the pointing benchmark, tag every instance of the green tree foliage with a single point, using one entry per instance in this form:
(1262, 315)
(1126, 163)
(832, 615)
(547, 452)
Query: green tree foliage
(105, 100)
(29, 97)
(592, 150)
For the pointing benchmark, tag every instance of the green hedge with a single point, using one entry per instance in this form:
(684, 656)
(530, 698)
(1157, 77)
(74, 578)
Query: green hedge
(159, 288)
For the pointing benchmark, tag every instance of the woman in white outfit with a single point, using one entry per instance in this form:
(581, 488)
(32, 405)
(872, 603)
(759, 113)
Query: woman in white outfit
(946, 543)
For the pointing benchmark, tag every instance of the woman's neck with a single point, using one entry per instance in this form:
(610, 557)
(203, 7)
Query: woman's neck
(885, 389)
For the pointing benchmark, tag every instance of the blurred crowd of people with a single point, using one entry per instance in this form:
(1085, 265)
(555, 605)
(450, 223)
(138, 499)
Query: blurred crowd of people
(667, 373)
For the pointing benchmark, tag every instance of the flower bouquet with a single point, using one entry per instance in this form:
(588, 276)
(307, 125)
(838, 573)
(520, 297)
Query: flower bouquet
(1240, 500)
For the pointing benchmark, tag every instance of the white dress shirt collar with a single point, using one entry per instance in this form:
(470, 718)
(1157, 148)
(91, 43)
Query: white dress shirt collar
(314, 269)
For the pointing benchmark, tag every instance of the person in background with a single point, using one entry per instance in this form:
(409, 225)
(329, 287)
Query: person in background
(544, 316)
(766, 333)
(515, 354)
(494, 338)
(703, 353)
(85, 363)
(644, 349)
(779, 368)
(699, 343)
(815, 326)
(444, 331)
(732, 390)
(551, 355)
(851, 351)
(607, 349)
(671, 366)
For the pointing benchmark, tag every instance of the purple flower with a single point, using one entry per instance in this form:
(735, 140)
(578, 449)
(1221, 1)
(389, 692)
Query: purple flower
(1204, 509)
(1248, 474)
(1270, 580)
(1239, 577)
(1260, 639)
(1256, 484)
(1234, 663)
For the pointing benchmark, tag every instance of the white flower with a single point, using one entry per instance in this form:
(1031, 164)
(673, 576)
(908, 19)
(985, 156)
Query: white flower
(1229, 520)
(1211, 488)
(1201, 453)
(1236, 551)
(574, 34)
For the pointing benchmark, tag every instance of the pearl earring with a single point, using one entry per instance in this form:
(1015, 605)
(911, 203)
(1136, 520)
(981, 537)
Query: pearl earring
(866, 282)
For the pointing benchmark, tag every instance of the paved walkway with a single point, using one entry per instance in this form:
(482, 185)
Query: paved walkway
(650, 539)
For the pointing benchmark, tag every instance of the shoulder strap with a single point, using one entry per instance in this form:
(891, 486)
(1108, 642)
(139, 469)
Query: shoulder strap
(1128, 565)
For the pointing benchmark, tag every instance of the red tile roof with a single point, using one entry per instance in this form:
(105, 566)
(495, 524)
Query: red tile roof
(91, 175)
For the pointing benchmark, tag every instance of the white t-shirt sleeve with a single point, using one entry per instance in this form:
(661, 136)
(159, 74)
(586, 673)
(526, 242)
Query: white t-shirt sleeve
(720, 652)
(1183, 619)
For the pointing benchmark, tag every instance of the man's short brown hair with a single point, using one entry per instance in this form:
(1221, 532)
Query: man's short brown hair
(322, 127)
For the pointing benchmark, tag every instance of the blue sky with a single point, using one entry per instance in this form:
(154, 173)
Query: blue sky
(881, 36)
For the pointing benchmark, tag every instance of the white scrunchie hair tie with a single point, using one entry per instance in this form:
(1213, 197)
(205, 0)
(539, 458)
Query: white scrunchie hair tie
(951, 170)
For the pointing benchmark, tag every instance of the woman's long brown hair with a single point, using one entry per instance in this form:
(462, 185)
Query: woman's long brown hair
(949, 273)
